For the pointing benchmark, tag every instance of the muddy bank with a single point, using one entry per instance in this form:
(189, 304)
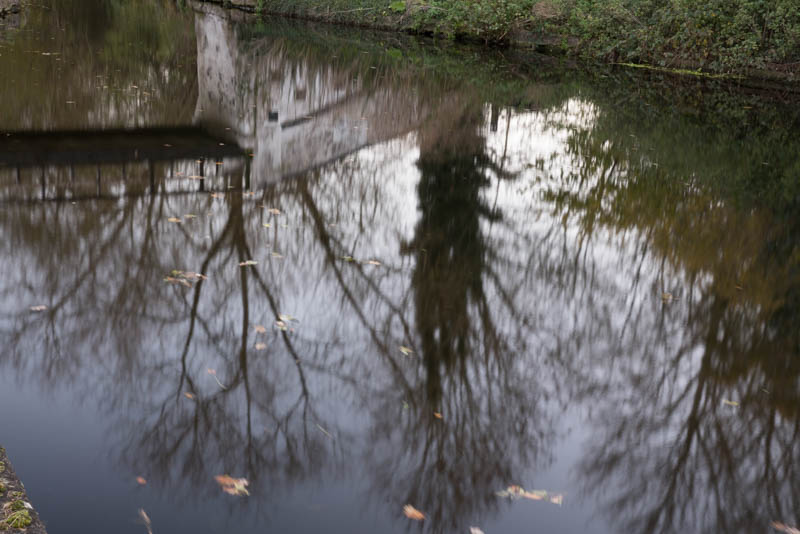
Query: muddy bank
(17, 514)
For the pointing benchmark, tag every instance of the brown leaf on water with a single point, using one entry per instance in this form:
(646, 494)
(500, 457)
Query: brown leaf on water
(211, 371)
(248, 262)
(260, 329)
(261, 346)
(373, 262)
(784, 528)
(413, 513)
(174, 280)
(281, 325)
(188, 395)
(141, 481)
(232, 486)
(174, 220)
(475, 530)
(217, 195)
(38, 308)
(274, 211)
(437, 415)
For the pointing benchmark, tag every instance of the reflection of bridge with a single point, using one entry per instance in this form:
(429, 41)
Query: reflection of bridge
(123, 147)
(27, 149)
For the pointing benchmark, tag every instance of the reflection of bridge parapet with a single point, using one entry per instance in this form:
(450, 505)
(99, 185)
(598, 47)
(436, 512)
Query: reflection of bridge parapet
(79, 164)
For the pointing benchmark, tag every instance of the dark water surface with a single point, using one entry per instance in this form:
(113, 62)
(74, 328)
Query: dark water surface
(473, 272)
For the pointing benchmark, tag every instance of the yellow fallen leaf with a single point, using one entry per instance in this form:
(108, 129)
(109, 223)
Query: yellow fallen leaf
(406, 350)
(437, 415)
(729, 402)
(248, 262)
(174, 219)
(232, 486)
(413, 513)
(188, 395)
(141, 481)
(266, 225)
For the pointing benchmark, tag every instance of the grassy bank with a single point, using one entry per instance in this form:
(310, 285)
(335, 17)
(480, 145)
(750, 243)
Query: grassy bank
(730, 36)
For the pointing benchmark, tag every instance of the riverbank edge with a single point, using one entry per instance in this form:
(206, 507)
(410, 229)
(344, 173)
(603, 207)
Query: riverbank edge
(550, 44)
(11, 491)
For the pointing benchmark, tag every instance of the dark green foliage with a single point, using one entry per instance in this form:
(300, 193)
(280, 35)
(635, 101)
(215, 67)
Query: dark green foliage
(720, 35)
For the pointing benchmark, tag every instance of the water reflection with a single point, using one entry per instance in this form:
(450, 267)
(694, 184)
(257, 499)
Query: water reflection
(443, 302)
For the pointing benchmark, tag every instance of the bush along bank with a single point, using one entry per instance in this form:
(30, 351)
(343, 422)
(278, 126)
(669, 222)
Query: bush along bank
(741, 37)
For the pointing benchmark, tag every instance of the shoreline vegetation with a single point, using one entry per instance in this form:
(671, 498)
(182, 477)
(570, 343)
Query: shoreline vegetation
(737, 38)
(16, 512)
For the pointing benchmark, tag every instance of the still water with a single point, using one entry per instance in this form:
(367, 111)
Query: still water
(429, 274)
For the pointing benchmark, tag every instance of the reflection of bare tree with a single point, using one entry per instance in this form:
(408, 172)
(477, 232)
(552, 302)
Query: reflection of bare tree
(698, 423)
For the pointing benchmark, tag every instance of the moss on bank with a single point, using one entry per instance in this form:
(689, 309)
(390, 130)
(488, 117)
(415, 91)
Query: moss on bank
(743, 37)
(16, 512)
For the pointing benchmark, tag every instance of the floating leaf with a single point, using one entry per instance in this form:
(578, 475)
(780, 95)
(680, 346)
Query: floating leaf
(286, 318)
(729, 402)
(517, 492)
(217, 195)
(232, 486)
(174, 220)
(413, 513)
(174, 280)
(211, 371)
(190, 216)
(146, 520)
(260, 329)
(784, 528)
(248, 262)
(276, 255)
(261, 346)
(274, 211)
(188, 395)
(141, 481)
(406, 350)
(281, 325)
(267, 225)
(38, 308)
(347, 258)
(437, 415)
(475, 530)
(373, 262)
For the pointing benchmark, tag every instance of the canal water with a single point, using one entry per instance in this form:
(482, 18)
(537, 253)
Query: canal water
(364, 273)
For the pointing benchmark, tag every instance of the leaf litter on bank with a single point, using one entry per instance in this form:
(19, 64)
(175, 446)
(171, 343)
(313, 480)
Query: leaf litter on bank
(233, 486)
